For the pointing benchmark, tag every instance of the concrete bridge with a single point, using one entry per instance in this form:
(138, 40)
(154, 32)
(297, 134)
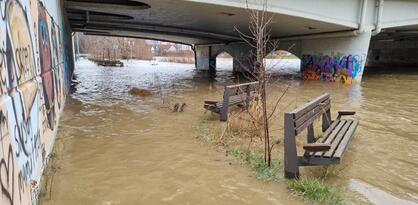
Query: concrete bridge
(334, 39)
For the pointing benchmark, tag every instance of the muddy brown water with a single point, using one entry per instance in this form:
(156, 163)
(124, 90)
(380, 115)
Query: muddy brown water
(113, 148)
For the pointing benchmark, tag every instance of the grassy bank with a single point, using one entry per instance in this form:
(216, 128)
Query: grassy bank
(315, 191)
(256, 163)
(231, 137)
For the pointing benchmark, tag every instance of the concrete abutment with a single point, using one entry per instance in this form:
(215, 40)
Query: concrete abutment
(338, 59)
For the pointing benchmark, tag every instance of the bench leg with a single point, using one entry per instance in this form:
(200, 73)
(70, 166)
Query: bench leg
(291, 162)
(225, 104)
(224, 114)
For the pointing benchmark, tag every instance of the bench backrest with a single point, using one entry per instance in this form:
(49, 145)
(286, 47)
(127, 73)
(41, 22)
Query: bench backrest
(304, 116)
(240, 90)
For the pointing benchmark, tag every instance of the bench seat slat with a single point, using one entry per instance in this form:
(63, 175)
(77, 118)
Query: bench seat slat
(325, 135)
(347, 138)
(331, 128)
(336, 142)
(232, 100)
(328, 139)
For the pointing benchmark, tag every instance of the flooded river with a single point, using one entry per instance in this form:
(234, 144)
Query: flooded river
(113, 148)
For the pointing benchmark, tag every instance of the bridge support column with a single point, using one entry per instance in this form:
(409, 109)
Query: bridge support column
(338, 59)
(202, 57)
(243, 59)
(205, 56)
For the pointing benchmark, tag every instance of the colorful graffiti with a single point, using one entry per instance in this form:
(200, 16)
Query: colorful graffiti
(32, 94)
(334, 68)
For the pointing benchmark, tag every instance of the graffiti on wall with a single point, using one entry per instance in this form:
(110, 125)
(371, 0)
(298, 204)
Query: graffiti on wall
(333, 68)
(32, 95)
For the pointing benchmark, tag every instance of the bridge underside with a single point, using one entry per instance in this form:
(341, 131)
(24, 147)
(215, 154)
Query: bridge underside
(328, 36)
(187, 22)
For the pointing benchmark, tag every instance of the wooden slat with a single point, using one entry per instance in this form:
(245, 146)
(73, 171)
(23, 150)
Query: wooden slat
(325, 135)
(330, 129)
(240, 88)
(308, 106)
(242, 84)
(308, 115)
(318, 105)
(338, 139)
(331, 136)
(309, 121)
(316, 147)
(233, 100)
(235, 90)
(347, 138)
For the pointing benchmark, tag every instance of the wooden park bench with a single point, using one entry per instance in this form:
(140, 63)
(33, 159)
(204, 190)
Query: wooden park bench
(324, 151)
(239, 94)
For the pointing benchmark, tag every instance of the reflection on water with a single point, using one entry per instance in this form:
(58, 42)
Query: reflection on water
(113, 148)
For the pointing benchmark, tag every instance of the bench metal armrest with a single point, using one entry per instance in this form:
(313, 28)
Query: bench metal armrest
(210, 102)
(341, 113)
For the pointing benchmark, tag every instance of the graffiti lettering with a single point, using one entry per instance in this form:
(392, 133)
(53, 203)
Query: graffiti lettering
(332, 68)
(28, 103)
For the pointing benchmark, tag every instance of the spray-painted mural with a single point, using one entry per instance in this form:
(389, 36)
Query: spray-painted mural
(32, 67)
(334, 68)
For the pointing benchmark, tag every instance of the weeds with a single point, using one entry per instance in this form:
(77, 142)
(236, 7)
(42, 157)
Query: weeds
(257, 164)
(316, 191)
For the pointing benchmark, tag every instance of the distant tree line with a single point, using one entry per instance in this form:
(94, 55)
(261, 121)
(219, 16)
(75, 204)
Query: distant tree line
(114, 47)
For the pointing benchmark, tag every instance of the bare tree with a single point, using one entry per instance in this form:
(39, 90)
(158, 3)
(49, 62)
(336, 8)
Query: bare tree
(259, 39)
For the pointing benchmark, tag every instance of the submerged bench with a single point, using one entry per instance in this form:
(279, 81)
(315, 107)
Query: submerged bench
(324, 151)
(239, 94)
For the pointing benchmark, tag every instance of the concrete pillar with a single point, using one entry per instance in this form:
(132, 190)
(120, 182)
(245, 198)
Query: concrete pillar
(339, 59)
(205, 56)
(202, 57)
(243, 59)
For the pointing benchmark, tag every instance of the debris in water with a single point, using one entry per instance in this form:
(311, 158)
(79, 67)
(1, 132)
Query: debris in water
(179, 107)
(140, 92)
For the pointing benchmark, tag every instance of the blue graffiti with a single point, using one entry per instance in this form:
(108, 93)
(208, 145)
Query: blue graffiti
(331, 67)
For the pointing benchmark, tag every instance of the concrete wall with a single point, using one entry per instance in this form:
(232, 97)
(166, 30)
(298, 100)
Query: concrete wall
(35, 68)
(400, 53)
(339, 59)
